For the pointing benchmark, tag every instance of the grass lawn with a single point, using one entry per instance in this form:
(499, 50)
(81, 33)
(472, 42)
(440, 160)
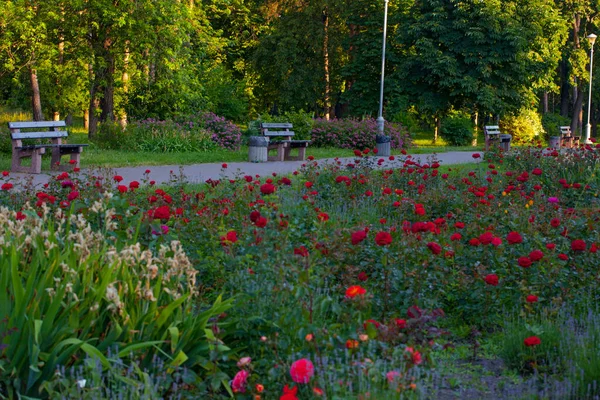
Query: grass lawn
(93, 156)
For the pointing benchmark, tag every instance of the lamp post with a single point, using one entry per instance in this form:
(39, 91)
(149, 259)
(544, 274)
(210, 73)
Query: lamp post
(588, 127)
(380, 120)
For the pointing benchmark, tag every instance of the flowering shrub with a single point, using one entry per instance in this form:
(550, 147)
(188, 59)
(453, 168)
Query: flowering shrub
(351, 268)
(356, 134)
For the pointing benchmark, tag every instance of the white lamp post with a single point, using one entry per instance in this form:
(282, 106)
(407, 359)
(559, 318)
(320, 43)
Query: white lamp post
(380, 120)
(588, 127)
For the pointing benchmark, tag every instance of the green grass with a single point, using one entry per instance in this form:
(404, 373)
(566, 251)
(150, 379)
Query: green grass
(92, 156)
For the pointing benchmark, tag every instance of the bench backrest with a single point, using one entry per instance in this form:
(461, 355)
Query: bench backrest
(491, 130)
(565, 130)
(52, 133)
(276, 129)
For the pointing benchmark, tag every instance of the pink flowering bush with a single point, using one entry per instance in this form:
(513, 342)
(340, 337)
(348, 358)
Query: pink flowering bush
(356, 134)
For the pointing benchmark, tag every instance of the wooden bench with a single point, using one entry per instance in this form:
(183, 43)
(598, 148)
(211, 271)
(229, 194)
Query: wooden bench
(284, 143)
(491, 134)
(567, 139)
(37, 149)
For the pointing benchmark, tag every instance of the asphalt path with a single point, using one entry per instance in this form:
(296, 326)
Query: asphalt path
(198, 173)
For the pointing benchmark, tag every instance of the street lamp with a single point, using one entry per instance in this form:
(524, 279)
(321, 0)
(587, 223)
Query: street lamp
(588, 127)
(380, 120)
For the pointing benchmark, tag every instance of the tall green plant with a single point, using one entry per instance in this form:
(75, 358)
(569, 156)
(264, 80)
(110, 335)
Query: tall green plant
(69, 290)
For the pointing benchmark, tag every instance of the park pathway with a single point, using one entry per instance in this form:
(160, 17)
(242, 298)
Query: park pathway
(198, 173)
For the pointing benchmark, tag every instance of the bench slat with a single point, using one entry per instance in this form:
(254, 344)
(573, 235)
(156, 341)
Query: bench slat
(36, 124)
(284, 125)
(278, 133)
(39, 135)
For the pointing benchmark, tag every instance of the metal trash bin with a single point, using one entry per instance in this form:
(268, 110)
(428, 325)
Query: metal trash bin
(383, 143)
(505, 142)
(554, 142)
(258, 148)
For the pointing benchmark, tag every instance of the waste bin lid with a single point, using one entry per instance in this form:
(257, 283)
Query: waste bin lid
(258, 141)
(505, 138)
(382, 139)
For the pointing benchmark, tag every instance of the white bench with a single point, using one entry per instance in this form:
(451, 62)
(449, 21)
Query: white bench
(283, 143)
(567, 139)
(37, 149)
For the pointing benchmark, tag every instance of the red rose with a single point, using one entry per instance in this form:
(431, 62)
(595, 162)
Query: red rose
(434, 247)
(301, 251)
(536, 171)
(362, 276)
(118, 178)
(491, 279)
(455, 236)
(134, 185)
(354, 291)
(532, 298)
(122, 188)
(323, 217)
(555, 222)
(474, 242)
(536, 255)
(550, 246)
(267, 188)
(254, 216)
(532, 341)
(261, 222)
(73, 195)
(514, 238)
(162, 212)
(6, 186)
(400, 323)
(229, 238)
(563, 257)
(289, 394)
(524, 262)
(578, 245)
(302, 370)
(486, 238)
(496, 241)
(383, 238)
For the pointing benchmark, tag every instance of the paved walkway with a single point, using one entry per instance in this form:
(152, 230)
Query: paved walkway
(201, 172)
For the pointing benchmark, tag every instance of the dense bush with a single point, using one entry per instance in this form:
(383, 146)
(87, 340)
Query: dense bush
(168, 136)
(457, 130)
(199, 132)
(302, 123)
(552, 123)
(525, 127)
(356, 134)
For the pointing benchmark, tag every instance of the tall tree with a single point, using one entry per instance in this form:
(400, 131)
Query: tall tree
(487, 57)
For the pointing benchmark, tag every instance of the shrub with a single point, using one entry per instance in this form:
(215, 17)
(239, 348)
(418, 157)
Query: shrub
(552, 123)
(302, 123)
(355, 134)
(224, 133)
(525, 127)
(457, 130)
(110, 136)
(70, 289)
(168, 136)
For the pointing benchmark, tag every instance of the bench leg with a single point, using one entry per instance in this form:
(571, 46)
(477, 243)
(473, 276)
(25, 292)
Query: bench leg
(55, 161)
(36, 161)
(301, 153)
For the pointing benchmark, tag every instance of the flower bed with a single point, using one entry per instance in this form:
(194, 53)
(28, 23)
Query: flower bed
(343, 279)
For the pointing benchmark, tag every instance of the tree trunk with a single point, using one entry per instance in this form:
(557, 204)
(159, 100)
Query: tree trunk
(476, 123)
(125, 82)
(86, 119)
(577, 110)
(36, 102)
(545, 102)
(327, 99)
(107, 101)
(436, 129)
(564, 89)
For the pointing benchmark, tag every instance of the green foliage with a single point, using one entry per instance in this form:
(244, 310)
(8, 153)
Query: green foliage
(71, 289)
(111, 136)
(524, 126)
(552, 122)
(457, 130)
(455, 53)
(302, 123)
(168, 137)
